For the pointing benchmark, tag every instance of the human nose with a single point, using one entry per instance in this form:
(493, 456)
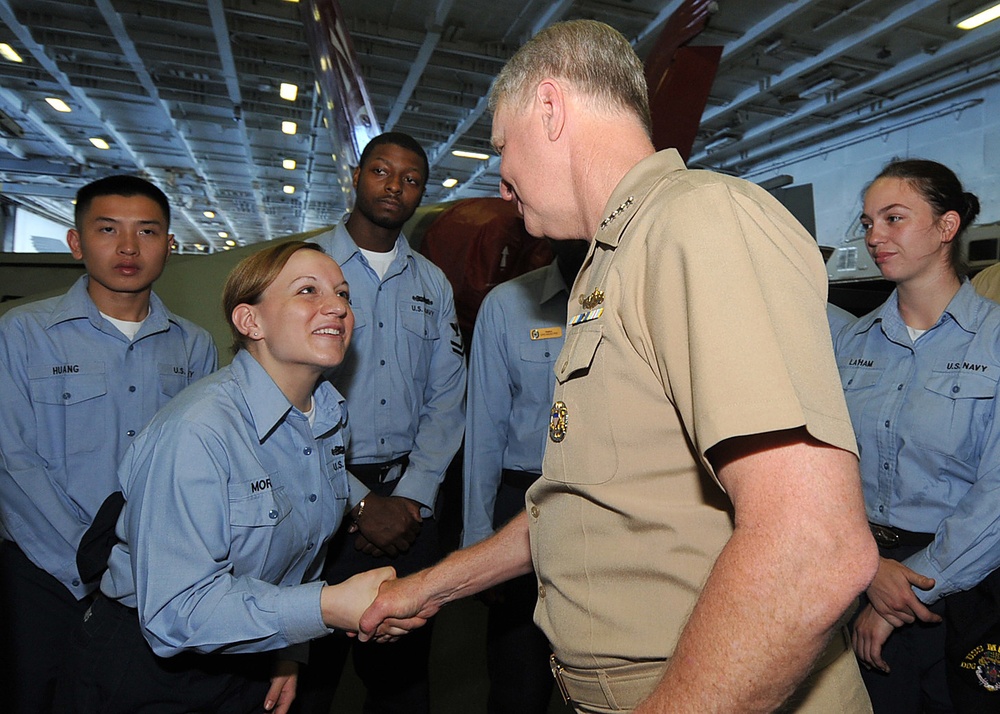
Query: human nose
(393, 183)
(337, 306)
(129, 244)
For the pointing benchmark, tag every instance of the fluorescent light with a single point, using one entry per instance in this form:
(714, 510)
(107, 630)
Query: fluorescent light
(288, 164)
(231, 243)
(288, 91)
(288, 188)
(450, 182)
(58, 104)
(99, 142)
(209, 214)
(470, 155)
(289, 127)
(223, 234)
(8, 53)
(980, 18)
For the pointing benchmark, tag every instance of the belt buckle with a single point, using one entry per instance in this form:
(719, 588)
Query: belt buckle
(884, 536)
(557, 669)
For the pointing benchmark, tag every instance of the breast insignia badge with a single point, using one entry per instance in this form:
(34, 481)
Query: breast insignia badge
(558, 422)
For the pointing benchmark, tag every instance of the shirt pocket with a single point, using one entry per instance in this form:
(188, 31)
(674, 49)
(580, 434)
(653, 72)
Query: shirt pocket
(417, 322)
(254, 525)
(588, 454)
(955, 409)
(864, 401)
(173, 379)
(70, 409)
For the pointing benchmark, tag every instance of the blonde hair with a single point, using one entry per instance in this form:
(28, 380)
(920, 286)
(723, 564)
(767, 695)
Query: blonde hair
(591, 56)
(251, 277)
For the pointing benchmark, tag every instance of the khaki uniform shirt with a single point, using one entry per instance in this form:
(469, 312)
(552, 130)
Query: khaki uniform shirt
(702, 318)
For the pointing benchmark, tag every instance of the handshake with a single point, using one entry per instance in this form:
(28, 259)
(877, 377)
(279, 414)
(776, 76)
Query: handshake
(376, 605)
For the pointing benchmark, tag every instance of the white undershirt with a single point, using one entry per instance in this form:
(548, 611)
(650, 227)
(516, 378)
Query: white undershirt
(914, 333)
(380, 262)
(126, 327)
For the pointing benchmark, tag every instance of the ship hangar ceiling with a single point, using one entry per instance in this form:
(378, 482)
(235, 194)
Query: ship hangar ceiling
(187, 92)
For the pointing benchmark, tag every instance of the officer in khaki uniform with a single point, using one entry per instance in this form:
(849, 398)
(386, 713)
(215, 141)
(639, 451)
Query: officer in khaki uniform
(698, 531)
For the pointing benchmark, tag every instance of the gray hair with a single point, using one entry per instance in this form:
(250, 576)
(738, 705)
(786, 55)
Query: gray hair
(591, 56)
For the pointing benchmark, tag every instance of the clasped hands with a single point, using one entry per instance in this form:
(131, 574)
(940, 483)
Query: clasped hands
(388, 526)
(891, 604)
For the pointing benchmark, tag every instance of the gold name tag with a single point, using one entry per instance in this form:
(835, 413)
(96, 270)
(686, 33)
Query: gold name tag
(545, 333)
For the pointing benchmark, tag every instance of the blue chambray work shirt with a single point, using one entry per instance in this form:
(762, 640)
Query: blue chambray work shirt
(404, 376)
(519, 332)
(74, 392)
(925, 418)
(231, 498)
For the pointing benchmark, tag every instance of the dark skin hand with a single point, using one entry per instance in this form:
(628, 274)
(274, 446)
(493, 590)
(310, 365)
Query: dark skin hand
(388, 526)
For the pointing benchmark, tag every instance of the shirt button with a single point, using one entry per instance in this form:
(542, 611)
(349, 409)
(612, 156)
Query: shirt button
(886, 423)
(541, 591)
(534, 511)
(381, 362)
(899, 387)
(131, 388)
(956, 389)
(850, 382)
(886, 466)
(131, 348)
(66, 395)
(881, 509)
(272, 514)
(307, 451)
(312, 498)
(380, 324)
(130, 432)
(76, 583)
(546, 354)
(381, 441)
(382, 402)
(310, 546)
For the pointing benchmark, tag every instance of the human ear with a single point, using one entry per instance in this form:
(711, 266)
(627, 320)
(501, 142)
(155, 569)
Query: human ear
(74, 243)
(552, 101)
(245, 319)
(949, 222)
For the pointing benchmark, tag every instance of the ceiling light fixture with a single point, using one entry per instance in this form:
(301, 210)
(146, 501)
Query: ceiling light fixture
(980, 18)
(99, 142)
(450, 182)
(288, 164)
(470, 155)
(223, 234)
(209, 214)
(231, 243)
(288, 188)
(288, 127)
(58, 104)
(8, 53)
(288, 91)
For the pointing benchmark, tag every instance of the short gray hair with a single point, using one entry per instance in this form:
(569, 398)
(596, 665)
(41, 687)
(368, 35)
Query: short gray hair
(593, 57)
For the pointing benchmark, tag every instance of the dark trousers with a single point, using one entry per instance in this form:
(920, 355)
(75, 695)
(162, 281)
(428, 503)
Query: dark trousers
(395, 675)
(517, 653)
(915, 655)
(111, 669)
(972, 647)
(37, 613)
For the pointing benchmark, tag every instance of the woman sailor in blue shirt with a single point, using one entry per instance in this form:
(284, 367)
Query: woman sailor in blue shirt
(232, 492)
(920, 376)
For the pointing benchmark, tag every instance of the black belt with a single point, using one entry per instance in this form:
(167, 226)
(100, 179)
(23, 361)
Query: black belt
(518, 479)
(889, 537)
(376, 473)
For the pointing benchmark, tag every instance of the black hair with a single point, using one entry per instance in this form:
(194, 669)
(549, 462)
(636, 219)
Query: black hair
(122, 185)
(396, 138)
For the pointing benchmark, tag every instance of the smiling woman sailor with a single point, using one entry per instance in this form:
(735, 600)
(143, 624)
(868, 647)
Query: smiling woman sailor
(920, 376)
(231, 495)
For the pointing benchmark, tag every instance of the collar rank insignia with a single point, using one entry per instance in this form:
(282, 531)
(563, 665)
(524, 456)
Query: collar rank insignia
(593, 300)
(558, 422)
(615, 213)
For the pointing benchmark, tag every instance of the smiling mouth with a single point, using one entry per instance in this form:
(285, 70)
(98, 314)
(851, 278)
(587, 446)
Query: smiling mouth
(329, 331)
